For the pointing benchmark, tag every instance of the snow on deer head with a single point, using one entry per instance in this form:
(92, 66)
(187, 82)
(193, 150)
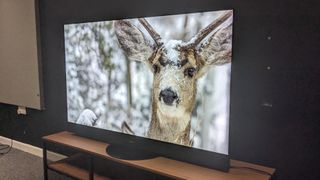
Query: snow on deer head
(176, 65)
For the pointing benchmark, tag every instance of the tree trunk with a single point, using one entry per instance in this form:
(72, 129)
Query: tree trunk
(129, 88)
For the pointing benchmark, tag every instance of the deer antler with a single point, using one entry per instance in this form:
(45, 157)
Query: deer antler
(155, 36)
(207, 30)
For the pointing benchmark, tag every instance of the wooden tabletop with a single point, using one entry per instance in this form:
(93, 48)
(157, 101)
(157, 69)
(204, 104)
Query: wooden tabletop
(165, 166)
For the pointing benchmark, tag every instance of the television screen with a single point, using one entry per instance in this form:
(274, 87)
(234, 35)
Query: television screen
(165, 78)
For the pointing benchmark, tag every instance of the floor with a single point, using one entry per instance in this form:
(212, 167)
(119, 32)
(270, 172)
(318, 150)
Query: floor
(17, 165)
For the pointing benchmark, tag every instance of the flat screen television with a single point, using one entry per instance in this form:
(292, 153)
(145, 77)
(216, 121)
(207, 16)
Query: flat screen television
(153, 86)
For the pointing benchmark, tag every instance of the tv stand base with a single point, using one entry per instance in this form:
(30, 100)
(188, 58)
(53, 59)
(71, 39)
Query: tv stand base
(122, 152)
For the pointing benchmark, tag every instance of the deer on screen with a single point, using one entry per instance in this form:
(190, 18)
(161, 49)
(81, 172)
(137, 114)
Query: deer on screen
(176, 67)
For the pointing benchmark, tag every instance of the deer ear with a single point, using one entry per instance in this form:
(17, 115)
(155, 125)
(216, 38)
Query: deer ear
(132, 41)
(217, 50)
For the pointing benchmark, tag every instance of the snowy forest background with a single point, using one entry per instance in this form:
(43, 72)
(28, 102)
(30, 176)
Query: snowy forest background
(100, 79)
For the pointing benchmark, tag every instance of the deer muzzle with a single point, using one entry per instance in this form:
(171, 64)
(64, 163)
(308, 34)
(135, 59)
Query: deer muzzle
(168, 96)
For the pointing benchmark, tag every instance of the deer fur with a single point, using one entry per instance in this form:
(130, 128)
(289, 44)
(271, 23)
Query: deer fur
(176, 67)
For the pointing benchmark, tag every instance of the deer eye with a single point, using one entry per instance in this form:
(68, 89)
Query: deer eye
(156, 68)
(190, 72)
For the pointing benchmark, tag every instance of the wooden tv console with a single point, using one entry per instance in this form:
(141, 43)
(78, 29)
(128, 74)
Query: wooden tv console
(164, 166)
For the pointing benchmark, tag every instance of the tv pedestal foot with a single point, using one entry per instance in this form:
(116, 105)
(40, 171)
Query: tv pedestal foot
(121, 152)
(89, 149)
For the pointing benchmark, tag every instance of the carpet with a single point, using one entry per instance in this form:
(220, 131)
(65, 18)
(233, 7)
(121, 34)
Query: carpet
(19, 165)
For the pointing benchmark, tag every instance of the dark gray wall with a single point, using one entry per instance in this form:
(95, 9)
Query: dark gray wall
(274, 111)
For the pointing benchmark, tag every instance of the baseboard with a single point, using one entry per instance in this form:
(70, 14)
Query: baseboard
(31, 149)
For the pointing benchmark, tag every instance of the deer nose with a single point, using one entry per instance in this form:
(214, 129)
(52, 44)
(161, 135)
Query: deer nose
(168, 96)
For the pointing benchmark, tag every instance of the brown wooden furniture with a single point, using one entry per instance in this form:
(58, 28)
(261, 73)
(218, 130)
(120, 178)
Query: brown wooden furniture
(160, 165)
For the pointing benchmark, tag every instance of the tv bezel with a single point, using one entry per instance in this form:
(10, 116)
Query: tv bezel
(201, 157)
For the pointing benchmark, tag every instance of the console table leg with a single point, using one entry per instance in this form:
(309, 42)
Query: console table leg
(45, 165)
(91, 169)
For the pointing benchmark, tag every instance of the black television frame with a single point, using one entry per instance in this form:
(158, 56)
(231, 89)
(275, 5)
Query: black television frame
(192, 155)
